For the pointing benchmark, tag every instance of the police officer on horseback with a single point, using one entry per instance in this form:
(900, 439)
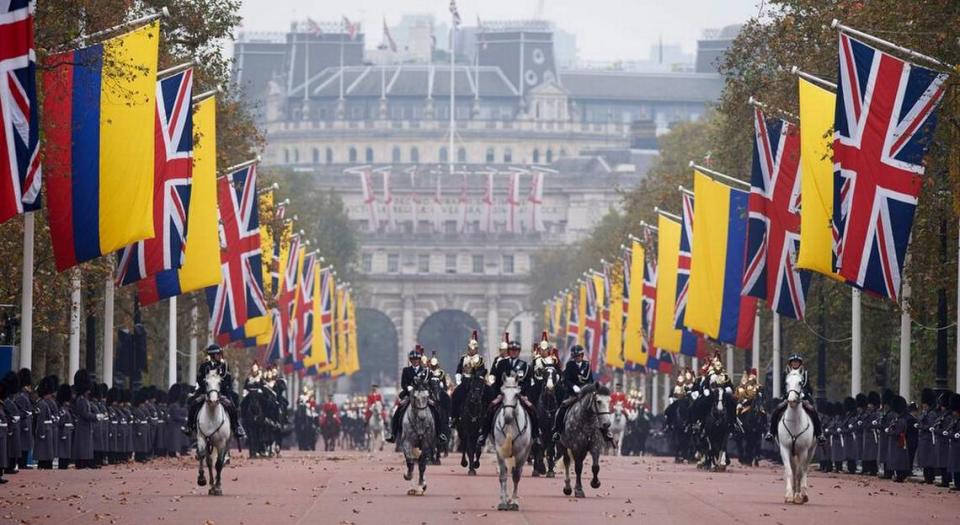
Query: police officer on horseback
(509, 365)
(408, 376)
(214, 362)
(576, 375)
(795, 362)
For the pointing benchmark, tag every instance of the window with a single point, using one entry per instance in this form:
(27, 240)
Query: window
(491, 157)
(414, 155)
(507, 264)
(507, 155)
(395, 157)
(449, 226)
(329, 156)
(536, 155)
(369, 155)
(462, 155)
(286, 156)
(353, 154)
(393, 263)
(316, 156)
(296, 156)
(443, 154)
(423, 263)
(549, 156)
(477, 263)
(367, 262)
(451, 263)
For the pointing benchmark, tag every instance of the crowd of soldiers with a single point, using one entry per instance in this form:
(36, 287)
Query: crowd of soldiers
(51, 424)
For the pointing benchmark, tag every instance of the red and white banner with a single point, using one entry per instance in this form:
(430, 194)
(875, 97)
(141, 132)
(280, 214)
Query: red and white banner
(462, 207)
(370, 199)
(388, 201)
(513, 201)
(486, 217)
(536, 199)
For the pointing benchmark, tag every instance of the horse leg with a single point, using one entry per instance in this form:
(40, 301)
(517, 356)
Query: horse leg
(409, 474)
(550, 453)
(595, 468)
(788, 462)
(201, 479)
(578, 489)
(502, 473)
(209, 459)
(517, 472)
(537, 460)
(567, 458)
(803, 477)
(421, 482)
(218, 490)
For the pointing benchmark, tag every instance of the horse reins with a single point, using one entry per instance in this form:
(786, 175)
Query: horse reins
(793, 438)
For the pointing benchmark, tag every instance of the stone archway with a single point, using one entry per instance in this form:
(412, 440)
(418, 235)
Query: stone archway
(377, 344)
(447, 332)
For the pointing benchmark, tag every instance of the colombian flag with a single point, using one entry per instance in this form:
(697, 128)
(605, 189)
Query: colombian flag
(716, 307)
(98, 116)
(201, 260)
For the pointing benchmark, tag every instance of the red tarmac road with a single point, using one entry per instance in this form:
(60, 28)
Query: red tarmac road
(359, 488)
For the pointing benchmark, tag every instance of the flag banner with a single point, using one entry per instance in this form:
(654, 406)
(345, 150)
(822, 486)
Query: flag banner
(303, 324)
(633, 332)
(773, 224)
(268, 214)
(327, 299)
(20, 171)
(388, 38)
(462, 206)
(173, 169)
(886, 114)
(649, 308)
(239, 295)
(354, 363)
(717, 262)
(388, 202)
(340, 366)
(664, 361)
(683, 259)
(513, 201)
(536, 201)
(572, 322)
(486, 217)
(201, 261)
(816, 179)
(370, 199)
(665, 334)
(291, 262)
(693, 344)
(593, 321)
(274, 349)
(99, 146)
(614, 357)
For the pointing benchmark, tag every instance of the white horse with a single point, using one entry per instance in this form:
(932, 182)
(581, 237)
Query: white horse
(213, 433)
(618, 427)
(512, 439)
(375, 427)
(797, 444)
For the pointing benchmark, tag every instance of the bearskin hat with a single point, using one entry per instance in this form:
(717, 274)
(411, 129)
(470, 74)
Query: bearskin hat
(849, 404)
(113, 395)
(943, 398)
(861, 401)
(11, 383)
(64, 394)
(48, 385)
(899, 405)
(955, 402)
(873, 398)
(25, 377)
(139, 396)
(125, 396)
(887, 397)
(927, 397)
(81, 381)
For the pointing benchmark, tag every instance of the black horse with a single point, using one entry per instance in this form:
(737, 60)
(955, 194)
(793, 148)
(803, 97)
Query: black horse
(546, 403)
(305, 423)
(749, 437)
(635, 436)
(469, 423)
(680, 430)
(717, 417)
(259, 415)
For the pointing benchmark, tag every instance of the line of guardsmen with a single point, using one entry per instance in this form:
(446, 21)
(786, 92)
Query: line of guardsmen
(86, 424)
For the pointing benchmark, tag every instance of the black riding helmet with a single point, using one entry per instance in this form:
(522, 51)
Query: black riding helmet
(214, 349)
(576, 350)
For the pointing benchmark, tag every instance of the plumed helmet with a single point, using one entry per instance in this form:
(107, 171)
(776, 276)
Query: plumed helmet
(419, 349)
(25, 377)
(927, 397)
(899, 405)
(544, 341)
(505, 344)
(849, 404)
(873, 398)
(81, 381)
(887, 397)
(576, 350)
(514, 345)
(474, 340)
(861, 401)
(214, 349)
(955, 402)
(64, 394)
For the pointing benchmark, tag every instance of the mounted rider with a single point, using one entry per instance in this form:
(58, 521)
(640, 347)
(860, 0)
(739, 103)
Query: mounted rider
(408, 376)
(471, 365)
(214, 362)
(509, 365)
(576, 375)
(436, 375)
(373, 398)
(545, 358)
(254, 380)
(795, 362)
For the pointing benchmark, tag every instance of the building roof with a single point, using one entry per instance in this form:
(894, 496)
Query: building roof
(619, 85)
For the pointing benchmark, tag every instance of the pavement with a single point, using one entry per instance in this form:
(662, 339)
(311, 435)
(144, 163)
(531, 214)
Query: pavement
(362, 488)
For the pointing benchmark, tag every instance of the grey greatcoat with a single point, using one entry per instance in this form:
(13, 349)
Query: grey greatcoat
(84, 422)
(4, 436)
(126, 429)
(851, 449)
(45, 437)
(25, 404)
(13, 420)
(884, 445)
(65, 434)
(953, 457)
(823, 449)
(871, 435)
(943, 439)
(898, 456)
(99, 441)
(926, 441)
(176, 417)
(837, 438)
(141, 430)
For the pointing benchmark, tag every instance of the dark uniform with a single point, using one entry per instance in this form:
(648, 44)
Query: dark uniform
(408, 376)
(576, 375)
(946, 420)
(952, 433)
(11, 383)
(871, 434)
(47, 415)
(84, 420)
(227, 396)
(25, 403)
(4, 431)
(64, 427)
(926, 457)
(469, 368)
(504, 367)
(898, 455)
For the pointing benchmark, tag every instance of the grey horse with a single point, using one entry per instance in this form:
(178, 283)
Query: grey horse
(584, 424)
(512, 439)
(419, 436)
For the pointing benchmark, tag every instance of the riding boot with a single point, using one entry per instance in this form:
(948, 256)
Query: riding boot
(774, 421)
(487, 426)
(190, 429)
(395, 425)
(441, 428)
(558, 422)
(235, 421)
(534, 426)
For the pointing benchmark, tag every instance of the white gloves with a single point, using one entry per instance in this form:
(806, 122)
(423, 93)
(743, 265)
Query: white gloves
(458, 377)
(576, 389)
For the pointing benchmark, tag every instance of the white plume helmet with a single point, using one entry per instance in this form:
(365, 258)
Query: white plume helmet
(474, 342)
(544, 342)
(506, 341)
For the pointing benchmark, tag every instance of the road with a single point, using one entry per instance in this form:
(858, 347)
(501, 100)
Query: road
(360, 488)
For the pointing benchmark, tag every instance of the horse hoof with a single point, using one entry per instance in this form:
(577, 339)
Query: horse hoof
(471, 472)
(475, 465)
(595, 483)
(407, 477)
(503, 506)
(551, 474)
(464, 463)
(567, 491)
(788, 499)
(412, 492)
(536, 474)
(514, 506)
(201, 482)
(805, 499)
(579, 493)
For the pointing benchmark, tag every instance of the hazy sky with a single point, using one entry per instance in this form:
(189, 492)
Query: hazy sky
(605, 29)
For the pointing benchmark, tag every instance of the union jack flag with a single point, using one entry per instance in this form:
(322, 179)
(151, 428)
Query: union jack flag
(275, 350)
(171, 184)
(885, 117)
(573, 319)
(19, 142)
(239, 296)
(683, 261)
(327, 291)
(649, 306)
(286, 298)
(593, 325)
(303, 324)
(773, 229)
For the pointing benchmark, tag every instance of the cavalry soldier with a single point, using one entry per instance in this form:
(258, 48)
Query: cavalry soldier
(408, 376)
(330, 409)
(373, 398)
(216, 362)
(619, 397)
(504, 347)
(470, 365)
(795, 362)
(436, 374)
(255, 379)
(576, 375)
(546, 358)
(510, 365)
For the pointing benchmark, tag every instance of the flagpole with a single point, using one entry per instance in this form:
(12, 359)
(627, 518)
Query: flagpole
(194, 327)
(730, 364)
(306, 68)
(855, 356)
(905, 322)
(835, 24)
(74, 358)
(108, 310)
(453, 121)
(755, 354)
(776, 355)
(956, 386)
(26, 304)
(654, 396)
(172, 342)
(717, 174)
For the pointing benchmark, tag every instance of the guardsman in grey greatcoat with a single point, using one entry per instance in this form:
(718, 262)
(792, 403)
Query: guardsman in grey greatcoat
(45, 418)
(952, 433)
(898, 456)
(64, 427)
(871, 434)
(884, 448)
(943, 442)
(927, 440)
(850, 452)
(4, 431)
(25, 402)
(11, 383)
(84, 420)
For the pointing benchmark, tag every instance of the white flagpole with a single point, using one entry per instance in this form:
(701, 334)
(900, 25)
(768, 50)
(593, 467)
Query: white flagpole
(755, 354)
(855, 355)
(194, 343)
(730, 364)
(666, 390)
(905, 322)
(654, 396)
(74, 359)
(956, 385)
(26, 305)
(172, 342)
(453, 89)
(108, 309)
(776, 355)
